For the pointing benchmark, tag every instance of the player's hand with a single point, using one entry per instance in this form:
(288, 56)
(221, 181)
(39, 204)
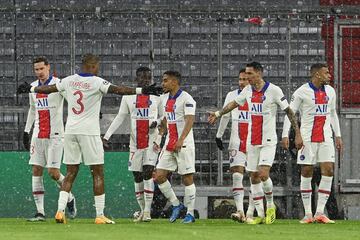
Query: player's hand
(298, 141)
(178, 145)
(285, 143)
(23, 88)
(156, 148)
(212, 118)
(219, 143)
(106, 143)
(152, 90)
(26, 141)
(153, 125)
(339, 144)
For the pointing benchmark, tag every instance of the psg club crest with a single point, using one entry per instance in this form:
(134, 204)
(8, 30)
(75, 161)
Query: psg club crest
(129, 163)
(263, 98)
(302, 157)
(149, 102)
(231, 160)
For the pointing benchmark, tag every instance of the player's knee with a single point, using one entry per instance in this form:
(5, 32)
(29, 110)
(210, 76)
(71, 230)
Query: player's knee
(138, 177)
(148, 172)
(54, 173)
(187, 179)
(159, 178)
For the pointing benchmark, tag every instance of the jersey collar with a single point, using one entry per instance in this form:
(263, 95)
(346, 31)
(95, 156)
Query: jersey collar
(322, 88)
(46, 82)
(266, 85)
(85, 74)
(176, 95)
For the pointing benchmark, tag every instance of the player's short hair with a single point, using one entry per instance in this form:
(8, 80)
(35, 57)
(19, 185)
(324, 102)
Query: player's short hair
(242, 71)
(41, 59)
(174, 74)
(90, 59)
(142, 69)
(316, 67)
(256, 65)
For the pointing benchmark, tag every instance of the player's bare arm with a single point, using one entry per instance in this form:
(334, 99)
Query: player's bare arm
(123, 90)
(27, 88)
(189, 122)
(293, 120)
(213, 116)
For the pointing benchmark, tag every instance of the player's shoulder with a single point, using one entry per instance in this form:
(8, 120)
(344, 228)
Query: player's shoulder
(186, 95)
(275, 89)
(35, 83)
(329, 88)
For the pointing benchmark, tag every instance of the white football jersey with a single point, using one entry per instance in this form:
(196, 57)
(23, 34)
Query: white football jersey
(240, 118)
(263, 109)
(47, 112)
(315, 106)
(175, 108)
(83, 93)
(143, 111)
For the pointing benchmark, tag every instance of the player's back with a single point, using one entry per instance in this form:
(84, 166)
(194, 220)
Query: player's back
(84, 93)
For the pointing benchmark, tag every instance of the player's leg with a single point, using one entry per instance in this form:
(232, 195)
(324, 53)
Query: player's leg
(54, 154)
(148, 190)
(38, 193)
(237, 169)
(139, 192)
(167, 164)
(253, 155)
(251, 207)
(186, 168)
(93, 156)
(71, 173)
(266, 159)
(37, 162)
(326, 156)
(306, 159)
(306, 191)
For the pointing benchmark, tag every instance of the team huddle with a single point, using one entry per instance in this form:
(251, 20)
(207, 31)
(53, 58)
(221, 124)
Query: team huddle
(168, 111)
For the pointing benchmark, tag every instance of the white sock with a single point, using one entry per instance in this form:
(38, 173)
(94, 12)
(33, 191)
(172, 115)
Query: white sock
(168, 192)
(63, 198)
(323, 193)
(238, 191)
(258, 197)
(139, 193)
(268, 188)
(251, 207)
(99, 205)
(306, 192)
(38, 193)
(59, 183)
(148, 193)
(189, 198)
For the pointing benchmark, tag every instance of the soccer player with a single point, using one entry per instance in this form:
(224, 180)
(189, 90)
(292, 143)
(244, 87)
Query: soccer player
(237, 148)
(179, 149)
(263, 98)
(316, 102)
(46, 147)
(84, 92)
(144, 111)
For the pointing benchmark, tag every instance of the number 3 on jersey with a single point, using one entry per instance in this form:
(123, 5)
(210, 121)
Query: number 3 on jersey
(79, 102)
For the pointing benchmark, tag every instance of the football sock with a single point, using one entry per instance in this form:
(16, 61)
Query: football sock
(148, 193)
(38, 193)
(189, 198)
(139, 193)
(258, 197)
(238, 191)
(268, 188)
(168, 192)
(306, 192)
(323, 193)
(99, 204)
(59, 183)
(63, 198)
(251, 208)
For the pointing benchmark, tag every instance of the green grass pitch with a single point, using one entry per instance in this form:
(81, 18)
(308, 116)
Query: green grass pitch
(162, 229)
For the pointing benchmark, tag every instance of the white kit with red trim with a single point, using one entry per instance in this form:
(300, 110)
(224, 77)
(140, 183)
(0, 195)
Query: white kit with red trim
(83, 93)
(47, 110)
(175, 108)
(240, 118)
(143, 111)
(315, 107)
(263, 109)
